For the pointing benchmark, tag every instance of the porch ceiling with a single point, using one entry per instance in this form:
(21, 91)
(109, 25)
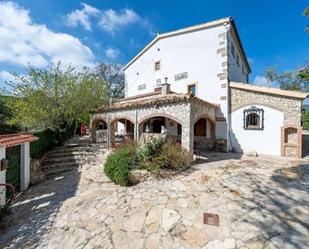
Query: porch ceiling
(154, 100)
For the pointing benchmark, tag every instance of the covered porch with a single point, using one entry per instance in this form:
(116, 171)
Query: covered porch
(183, 117)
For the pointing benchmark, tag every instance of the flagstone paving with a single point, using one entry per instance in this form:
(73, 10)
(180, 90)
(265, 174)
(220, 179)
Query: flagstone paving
(262, 202)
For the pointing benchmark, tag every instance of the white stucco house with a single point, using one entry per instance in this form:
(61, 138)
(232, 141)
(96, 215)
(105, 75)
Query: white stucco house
(192, 84)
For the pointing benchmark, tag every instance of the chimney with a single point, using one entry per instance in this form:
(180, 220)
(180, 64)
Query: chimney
(165, 88)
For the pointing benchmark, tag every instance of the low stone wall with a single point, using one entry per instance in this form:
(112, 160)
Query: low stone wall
(137, 176)
(203, 143)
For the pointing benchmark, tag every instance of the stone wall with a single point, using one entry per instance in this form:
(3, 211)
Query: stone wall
(184, 113)
(291, 107)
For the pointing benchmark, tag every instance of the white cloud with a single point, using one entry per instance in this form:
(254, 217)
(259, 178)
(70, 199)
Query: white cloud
(111, 53)
(112, 20)
(6, 76)
(81, 17)
(23, 42)
(261, 81)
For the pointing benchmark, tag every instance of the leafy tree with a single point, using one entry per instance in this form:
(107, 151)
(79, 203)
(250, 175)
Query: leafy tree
(298, 80)
(113, 75)
(5, 115)
(55, 98)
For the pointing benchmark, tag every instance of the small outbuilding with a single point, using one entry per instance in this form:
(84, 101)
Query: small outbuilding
(10, 140)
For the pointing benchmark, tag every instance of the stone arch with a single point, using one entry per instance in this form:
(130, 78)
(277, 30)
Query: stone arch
(122, 130)
(204, 115)
(204, 132)
(153, 115)
(291, 141)
(117, 118)
(95, 135)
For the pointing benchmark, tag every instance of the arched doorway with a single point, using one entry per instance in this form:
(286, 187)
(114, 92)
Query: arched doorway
(99, 131)
(161, 125)
(121, 131)
(204, 134)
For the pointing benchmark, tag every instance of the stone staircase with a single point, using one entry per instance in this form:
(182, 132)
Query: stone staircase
(71, 156)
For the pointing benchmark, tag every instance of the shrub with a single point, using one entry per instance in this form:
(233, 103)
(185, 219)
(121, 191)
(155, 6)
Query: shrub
(171, 157)
(119, 163)
(47, 141)
(150, 147)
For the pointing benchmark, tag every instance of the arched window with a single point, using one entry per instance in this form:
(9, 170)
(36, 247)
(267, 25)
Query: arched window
(101, 125)
(254, 119)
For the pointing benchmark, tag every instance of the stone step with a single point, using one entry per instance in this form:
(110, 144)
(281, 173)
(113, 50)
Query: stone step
(60, 165)
(60, 170)
(73, 149)
(71, 153)
(68, 158)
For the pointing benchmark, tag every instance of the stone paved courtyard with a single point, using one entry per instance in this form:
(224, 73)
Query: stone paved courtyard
(262, 203)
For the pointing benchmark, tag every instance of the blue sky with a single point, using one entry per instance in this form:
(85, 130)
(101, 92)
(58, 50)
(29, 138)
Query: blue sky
(89, 32)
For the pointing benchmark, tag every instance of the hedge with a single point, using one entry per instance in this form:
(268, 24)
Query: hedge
(47, 141)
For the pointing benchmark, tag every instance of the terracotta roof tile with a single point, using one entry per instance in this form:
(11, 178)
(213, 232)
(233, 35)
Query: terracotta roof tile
(153, 100)
(9, 140)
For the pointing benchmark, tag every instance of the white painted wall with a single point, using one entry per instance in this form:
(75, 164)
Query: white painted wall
(265, 141)
(2, 179)
(194, 53)
(235, 71)
(24, 166)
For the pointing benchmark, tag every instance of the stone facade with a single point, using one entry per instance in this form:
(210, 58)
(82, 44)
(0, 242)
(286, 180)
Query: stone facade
(184, 113)
(290, 106)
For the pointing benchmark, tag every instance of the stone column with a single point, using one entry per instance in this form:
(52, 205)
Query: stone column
(2, 179)
(111, 135)
(24, 166)
(136, 127)
(187, 135)
(187, 138)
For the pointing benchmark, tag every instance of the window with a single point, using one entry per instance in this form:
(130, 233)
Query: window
(157, 65)
(237, 59)
(254, 119)
(158, 82)
(141, 87)
(233, 49)
(181, 76)
(192, 89)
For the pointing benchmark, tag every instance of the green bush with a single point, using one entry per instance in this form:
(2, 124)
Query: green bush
(150, 147)
(171, 157)
(306, 120)
(119, 163)
(47, 141)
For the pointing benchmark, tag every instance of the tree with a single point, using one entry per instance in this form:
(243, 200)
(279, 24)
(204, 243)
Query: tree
(5, 115)
(54, 97)
(113, 75)
(293, 80)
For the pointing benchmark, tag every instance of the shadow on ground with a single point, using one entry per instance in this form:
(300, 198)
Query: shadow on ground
(33, 212)
(278, 207)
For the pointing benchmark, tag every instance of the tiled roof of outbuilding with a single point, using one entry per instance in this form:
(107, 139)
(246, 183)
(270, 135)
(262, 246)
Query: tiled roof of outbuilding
(155, 99)
(9, 140)
(269, 90)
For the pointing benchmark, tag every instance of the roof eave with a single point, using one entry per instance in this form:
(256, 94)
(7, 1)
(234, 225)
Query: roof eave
(178, 32)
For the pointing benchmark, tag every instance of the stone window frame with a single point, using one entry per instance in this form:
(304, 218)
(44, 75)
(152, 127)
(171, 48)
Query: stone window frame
(157, 65)
(158, 82)
(192, 85)
(181, 76)
(141, 87)
(253, 111)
